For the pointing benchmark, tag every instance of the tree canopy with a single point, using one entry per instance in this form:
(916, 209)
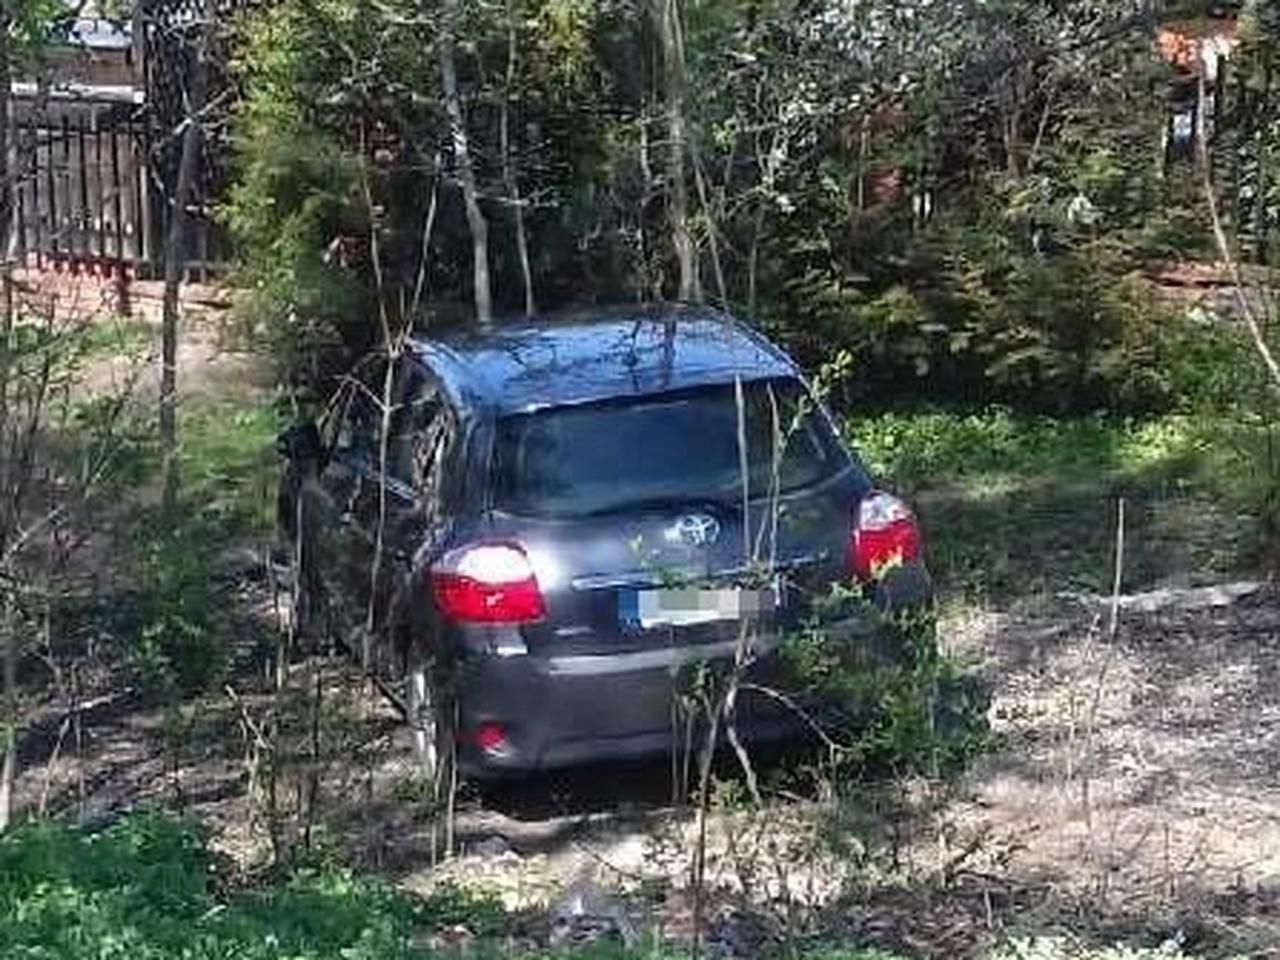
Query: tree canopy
(964, 196)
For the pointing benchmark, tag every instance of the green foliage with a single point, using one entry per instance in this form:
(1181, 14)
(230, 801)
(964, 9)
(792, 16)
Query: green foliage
(146, 888)
(136, 889)
(296, 193)
(228, 467)
(1016, 505)
(1024, 285)
(991, 449)
(980, 320)
(341, 136)
(890, 700)
(30, 26)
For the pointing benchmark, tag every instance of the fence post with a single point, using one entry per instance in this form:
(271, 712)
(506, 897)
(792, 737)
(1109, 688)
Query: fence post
(52, 185)
(37, 208)
(85, 222)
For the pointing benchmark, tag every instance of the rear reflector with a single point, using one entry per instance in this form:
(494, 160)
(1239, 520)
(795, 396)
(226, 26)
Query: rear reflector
(884, 535)
(487, 583)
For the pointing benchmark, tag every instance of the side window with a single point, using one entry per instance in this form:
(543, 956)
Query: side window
(423, 431)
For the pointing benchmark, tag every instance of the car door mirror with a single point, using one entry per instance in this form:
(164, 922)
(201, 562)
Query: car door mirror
(301, 443)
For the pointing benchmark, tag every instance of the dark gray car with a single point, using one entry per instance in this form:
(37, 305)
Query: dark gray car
(561, 527)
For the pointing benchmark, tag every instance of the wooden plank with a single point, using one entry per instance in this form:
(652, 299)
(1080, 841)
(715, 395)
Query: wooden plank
(136, 180)
(52, 179)
(100, 209)
(20, 203)
(37, 206)
(68, 194)
(83, 220)
(117, 192)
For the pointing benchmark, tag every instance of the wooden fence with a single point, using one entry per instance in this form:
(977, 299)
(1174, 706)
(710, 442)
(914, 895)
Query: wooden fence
(87, 200)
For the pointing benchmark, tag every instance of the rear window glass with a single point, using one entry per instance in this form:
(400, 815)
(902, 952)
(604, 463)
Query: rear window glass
(597, 457)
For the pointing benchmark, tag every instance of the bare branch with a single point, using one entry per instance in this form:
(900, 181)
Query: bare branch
(1251, 319)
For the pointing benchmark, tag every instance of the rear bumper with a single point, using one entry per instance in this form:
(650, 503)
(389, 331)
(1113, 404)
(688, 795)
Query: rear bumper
(560, 710)
(563, 711)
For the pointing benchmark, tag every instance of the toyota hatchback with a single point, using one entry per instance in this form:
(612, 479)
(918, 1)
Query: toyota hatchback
(554, 520)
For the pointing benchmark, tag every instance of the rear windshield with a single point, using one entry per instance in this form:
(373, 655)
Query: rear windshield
(597, 457)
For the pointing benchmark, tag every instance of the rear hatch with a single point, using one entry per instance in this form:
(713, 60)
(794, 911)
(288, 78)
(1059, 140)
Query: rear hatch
(634, 516)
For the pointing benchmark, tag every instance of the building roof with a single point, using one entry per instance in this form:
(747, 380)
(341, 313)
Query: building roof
(89, 92)
(99, 33)
(598, 354)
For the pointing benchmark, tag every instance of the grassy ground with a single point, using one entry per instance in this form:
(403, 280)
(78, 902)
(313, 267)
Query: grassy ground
(146, 888)
(1016, 508)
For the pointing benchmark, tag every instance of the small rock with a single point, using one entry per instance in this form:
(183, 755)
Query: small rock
(584, 913)
(490, 848)
(239, 563)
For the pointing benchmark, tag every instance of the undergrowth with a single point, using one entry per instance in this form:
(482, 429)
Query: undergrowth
(1018, 506)
(148, 888)
(181, 634)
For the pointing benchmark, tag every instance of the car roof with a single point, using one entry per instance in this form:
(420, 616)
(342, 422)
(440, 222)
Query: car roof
(598, 354)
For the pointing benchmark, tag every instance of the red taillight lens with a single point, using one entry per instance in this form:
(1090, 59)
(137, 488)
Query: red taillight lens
(884, 534)
(488, 583)
(490, 737)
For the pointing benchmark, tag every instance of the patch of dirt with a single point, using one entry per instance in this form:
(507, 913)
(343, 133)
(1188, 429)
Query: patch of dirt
(1137, 772)
(1135, 792)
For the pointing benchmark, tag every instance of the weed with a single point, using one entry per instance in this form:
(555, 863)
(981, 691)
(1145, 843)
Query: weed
(109, 336)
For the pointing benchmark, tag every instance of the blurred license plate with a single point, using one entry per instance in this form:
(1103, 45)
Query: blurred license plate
(684, 607)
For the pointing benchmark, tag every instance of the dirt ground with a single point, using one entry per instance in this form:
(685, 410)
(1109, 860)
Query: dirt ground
(1135, 789)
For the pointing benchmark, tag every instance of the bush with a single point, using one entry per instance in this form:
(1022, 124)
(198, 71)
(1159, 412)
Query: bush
(890, 701)
(979, 320)
(295, 194)
(228, 465)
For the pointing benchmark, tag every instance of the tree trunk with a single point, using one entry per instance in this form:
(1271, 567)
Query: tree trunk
(8, 636)
(508, 167)
(8, 773)
(466, 171)
(713, 245)
(753, 260)
(174, 266)
(671, 39)
(175, 262)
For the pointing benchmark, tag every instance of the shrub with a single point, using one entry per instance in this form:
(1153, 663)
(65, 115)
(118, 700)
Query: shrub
(889, 701)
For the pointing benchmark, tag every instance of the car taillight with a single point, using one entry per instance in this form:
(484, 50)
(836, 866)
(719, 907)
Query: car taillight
(490, 737)
(487, 583)
(884, 534)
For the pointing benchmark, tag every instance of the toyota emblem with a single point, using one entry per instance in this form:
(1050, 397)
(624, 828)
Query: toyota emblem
(695, 530)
